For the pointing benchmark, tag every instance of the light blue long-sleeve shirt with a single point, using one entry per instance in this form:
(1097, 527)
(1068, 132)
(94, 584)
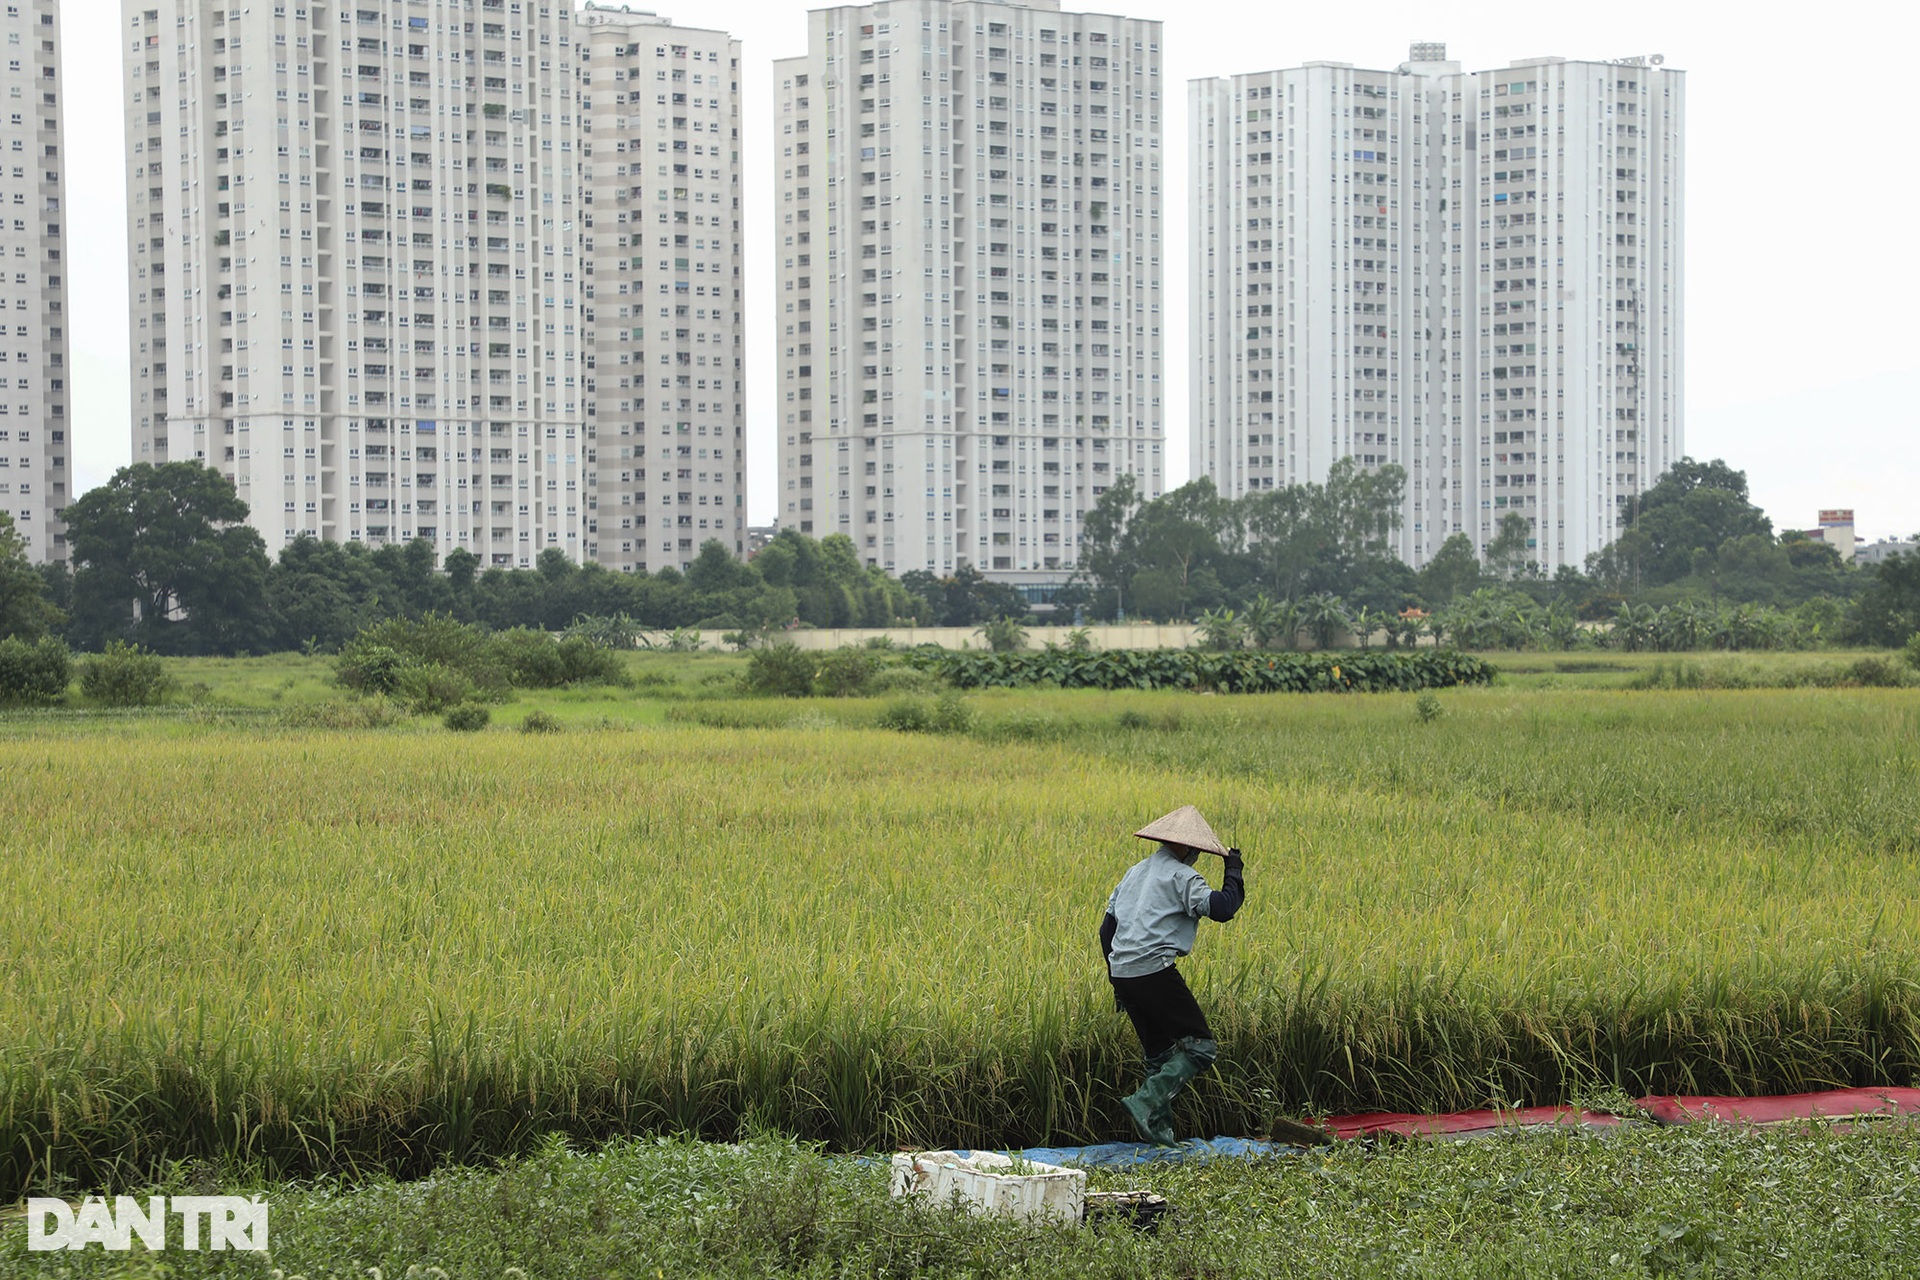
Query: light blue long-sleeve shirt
(1158, 905)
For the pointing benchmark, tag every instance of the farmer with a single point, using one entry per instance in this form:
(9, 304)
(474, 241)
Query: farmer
(1150, 923)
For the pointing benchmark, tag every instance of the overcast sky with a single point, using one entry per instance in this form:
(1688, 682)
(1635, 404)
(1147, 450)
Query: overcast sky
(1802, 353)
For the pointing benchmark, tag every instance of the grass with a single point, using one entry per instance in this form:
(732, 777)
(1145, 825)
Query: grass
(1709, 1200)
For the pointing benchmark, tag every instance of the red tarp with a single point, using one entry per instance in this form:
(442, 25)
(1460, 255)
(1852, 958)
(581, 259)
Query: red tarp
(1834, 1104)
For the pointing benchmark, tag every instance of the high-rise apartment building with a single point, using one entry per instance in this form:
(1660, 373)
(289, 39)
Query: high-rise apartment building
(660, 111)
(34, 449)
(969, 256)
(1475, 276)
(356, 275)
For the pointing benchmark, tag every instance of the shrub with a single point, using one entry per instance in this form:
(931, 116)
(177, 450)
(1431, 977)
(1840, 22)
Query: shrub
(33, 672)
(845, 673)
(125, 676)
(583, 661)
(540, 722)
(1874, 671)
(780, 670)
(468, 717)
(1242, 672)
(952, 713)
(1004, 635)
(1428, 708)
(907, 715)
(428, 688)
(1131, 719)
(531, 658)
(359, 713)
(1027, 725)
(1912, 652)
(368, 667)
(903, 680)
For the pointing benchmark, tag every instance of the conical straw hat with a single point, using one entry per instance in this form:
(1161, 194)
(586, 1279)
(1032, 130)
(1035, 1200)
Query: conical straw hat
(1184, 826)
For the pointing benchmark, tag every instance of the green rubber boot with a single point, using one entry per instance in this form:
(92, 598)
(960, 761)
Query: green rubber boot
(1151, 1107)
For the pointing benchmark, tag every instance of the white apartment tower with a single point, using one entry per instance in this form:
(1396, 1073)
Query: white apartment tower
(356, 276)
(1476, 276)
(969, 261)
(34, 449)
(660, 110)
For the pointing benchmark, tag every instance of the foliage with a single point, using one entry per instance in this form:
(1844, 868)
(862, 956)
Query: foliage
(538, 721)
(468, 717)
(125, 675)
(1193, 550)
(948, 713)
(428, 688)
(1237, 672)
(26, 610)
(163, 556)
(1888, 611)
(1681, 523)
(619, 632)
(1004, 635)
(678, 640)
(435, 661)
(963, 599)
(33, 672)
(781, 670)
(845, 673)
(1428, 708)
(1221, 630)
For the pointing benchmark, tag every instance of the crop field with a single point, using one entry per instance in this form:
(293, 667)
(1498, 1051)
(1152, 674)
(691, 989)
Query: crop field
(315, 950)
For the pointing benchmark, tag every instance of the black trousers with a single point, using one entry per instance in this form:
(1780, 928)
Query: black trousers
(1163, 1010)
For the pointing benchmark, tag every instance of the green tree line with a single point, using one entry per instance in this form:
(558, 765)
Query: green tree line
(162, 558)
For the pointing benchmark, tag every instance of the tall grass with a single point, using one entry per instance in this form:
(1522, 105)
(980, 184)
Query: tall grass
(335, 950)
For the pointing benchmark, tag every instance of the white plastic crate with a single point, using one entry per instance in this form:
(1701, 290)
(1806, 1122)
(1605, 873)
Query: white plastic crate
(985, 1183)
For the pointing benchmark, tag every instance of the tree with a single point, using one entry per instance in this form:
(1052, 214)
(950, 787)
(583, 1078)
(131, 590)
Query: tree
(1220, 629)
(25, 610)
(1323, 537)
(1325, 616)
(1106, 547)
(1453, 570)
(162, 556)
(1888, 611)
(1510, 555)
(1174, 536)
(1694, 507)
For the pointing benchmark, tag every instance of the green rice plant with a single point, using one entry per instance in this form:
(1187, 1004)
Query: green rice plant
(391, 951)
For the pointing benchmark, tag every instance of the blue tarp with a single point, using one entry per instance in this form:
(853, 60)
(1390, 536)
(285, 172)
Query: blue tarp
(1117, 1155)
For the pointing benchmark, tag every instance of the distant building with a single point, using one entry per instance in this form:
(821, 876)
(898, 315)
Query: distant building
(1878, 552)
(355, 270)
(969, 255)
(1836, 530)
(660, 114)
(1473, 275)
(33, 409)
(462, 272)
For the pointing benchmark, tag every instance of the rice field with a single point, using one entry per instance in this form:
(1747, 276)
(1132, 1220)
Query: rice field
(305, 950)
